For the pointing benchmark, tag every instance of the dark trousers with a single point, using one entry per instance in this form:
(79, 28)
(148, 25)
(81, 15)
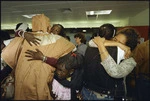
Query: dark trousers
(143, 89)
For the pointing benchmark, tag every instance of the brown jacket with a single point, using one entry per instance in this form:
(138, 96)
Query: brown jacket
(141, 56)
(31, 77)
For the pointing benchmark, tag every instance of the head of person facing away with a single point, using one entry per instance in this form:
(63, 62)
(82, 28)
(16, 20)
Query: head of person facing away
(128, 37)
(58, 29)
(67, 64)
(80, 38)
(40, 22)
(107, 31)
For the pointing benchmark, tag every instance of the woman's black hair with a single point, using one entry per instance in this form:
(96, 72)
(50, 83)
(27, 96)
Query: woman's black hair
(81, 36)
(107, 30)
(132, 37)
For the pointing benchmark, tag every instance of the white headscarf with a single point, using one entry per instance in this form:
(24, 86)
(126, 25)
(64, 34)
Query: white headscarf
(22, 27)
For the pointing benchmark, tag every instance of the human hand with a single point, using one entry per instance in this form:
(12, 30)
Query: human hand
(127, 53)
(126, 49)
(34, 55)
(98, 40)
(31, 38)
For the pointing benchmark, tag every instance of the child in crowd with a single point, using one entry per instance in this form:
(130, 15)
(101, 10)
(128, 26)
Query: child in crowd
(67, 81)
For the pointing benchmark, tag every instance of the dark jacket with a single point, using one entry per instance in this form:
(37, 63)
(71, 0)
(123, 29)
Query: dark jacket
(95, 76)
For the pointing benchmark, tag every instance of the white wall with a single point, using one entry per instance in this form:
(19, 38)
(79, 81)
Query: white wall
(141, 19)
(97, 23)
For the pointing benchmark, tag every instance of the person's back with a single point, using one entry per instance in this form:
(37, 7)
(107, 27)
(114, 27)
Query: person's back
(141, 56)
(28, 72)
(95, 76)
(142, 70)
(92, 53)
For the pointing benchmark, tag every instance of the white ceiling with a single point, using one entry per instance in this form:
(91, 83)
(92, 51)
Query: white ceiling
(12, 11)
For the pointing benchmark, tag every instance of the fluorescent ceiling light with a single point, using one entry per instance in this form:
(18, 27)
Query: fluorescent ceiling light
(83, 30)
(101, 12)
(91, 13)
(30, 15)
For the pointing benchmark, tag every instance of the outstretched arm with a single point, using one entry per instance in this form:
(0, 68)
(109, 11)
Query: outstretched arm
(38, 55)
(126, 49)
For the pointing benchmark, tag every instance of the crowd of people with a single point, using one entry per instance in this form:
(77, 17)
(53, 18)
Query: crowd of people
(46, 65)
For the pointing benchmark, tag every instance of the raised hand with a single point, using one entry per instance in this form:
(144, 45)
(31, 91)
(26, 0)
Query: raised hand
(31, 38)
(98, 40)
(126, 49)
(34, 55)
